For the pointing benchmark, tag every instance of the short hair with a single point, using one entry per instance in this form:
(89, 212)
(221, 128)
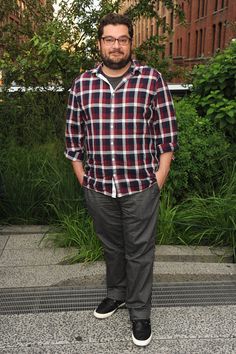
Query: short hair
(115, 19)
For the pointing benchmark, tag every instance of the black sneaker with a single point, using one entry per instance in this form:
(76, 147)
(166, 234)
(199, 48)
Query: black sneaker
(107, 307)
(142, 333)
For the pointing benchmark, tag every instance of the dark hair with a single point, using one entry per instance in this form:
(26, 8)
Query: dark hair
(115, 19)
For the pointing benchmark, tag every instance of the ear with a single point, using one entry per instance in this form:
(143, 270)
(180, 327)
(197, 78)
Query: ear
(99, 44)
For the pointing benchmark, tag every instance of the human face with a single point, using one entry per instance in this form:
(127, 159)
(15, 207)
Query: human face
(115, 56)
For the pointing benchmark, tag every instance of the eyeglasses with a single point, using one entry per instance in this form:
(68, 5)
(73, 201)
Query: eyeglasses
(123, 40)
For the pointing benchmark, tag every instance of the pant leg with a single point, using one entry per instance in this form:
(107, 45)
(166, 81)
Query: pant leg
(106, 215)
(139, 215)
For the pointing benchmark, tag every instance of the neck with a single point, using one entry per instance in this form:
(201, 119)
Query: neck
(115, 73)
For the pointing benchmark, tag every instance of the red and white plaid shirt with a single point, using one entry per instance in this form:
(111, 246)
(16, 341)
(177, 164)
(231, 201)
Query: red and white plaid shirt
(122, 131)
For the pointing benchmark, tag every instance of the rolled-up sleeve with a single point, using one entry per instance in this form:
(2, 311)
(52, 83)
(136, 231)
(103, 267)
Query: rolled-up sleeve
(164, 120)
(75, 132)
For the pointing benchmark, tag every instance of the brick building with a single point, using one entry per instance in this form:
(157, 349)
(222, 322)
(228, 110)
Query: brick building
(16, 15)
(209, 27)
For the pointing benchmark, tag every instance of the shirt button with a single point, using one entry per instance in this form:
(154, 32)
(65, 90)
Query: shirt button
(112, 143)
(111, 126)
(113, 159)
(112, 110)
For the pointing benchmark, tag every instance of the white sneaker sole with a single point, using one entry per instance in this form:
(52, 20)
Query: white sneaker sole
(141, 343)
(101, 316)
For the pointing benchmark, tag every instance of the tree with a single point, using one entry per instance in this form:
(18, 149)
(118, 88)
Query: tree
(55, 50)
(42, 49)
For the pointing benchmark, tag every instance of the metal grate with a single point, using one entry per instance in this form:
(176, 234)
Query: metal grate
(57, 299)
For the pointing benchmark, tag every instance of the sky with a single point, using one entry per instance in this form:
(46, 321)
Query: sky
(57, 4)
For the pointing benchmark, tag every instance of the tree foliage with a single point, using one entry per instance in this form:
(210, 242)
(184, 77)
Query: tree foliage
(57, 48)
(40, 48)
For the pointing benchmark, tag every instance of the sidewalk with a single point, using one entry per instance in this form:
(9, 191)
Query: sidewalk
(25, 265)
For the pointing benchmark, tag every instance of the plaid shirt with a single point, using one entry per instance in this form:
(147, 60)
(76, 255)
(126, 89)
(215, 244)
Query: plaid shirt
(122, 131)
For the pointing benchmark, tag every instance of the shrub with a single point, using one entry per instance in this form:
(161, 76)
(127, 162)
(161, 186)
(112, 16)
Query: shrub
(198, 162)
(32, 118)
(34, 180)
(210, 220)
(214, 90)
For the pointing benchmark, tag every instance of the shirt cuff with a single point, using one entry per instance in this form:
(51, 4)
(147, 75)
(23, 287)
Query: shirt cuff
(169, 147)
(74, 155)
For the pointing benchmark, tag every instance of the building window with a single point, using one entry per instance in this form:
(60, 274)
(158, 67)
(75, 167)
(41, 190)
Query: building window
(152, 30)
(164, 24)
(200, 44)
(204, 41)
(216, 5)
(219, 34)
(224, 32)
(172, 20)
(223, 4)
(198, 8)
(196, 45)
(206, 7)
(157, 28)
(188, 46)
(213, 38)
(171, 49)
(203, 8)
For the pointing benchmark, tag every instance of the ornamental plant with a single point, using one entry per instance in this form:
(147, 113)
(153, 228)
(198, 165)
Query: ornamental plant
(214, 90)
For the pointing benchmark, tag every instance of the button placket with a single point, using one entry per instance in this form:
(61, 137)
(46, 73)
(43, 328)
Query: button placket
(112, 134)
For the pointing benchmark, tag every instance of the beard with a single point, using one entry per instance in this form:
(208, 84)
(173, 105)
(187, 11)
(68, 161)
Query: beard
(117, 63)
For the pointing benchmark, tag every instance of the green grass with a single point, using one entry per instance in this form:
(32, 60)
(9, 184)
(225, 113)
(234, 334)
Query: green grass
(76, 230)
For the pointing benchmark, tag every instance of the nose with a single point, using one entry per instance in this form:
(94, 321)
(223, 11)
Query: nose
(116, 44)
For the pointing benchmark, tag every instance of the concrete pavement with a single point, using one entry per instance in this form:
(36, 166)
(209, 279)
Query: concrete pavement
(27, 263)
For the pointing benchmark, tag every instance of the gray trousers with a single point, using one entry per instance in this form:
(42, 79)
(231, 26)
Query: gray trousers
(126, 227)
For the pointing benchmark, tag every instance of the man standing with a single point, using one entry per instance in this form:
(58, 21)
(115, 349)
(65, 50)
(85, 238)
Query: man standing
(121, 115)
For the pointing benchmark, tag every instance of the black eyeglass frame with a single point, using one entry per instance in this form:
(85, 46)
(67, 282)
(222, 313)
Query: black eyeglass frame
(119, 39)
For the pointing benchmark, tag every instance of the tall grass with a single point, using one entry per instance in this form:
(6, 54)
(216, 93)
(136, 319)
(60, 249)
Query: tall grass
(34, 179)
(75, 229)
(210, 220)
(166, 233)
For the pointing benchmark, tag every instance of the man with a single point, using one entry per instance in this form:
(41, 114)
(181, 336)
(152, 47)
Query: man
(121, 114)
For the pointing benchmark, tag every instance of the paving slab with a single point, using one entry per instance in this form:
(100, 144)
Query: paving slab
(23, 229)
(33, 257)
(25, 241)
(3, 242)
(52, 275)
(188, 271)
(93, 274)
(180, 346)
(29, 236)
(163, 253)
(202, 254)
(195, 330)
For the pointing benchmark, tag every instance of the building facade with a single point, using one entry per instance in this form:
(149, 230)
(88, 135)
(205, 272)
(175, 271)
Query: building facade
(210, 26)
(16, 15)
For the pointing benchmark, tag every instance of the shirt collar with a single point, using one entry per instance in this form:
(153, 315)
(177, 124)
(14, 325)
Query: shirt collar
(135, 66)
